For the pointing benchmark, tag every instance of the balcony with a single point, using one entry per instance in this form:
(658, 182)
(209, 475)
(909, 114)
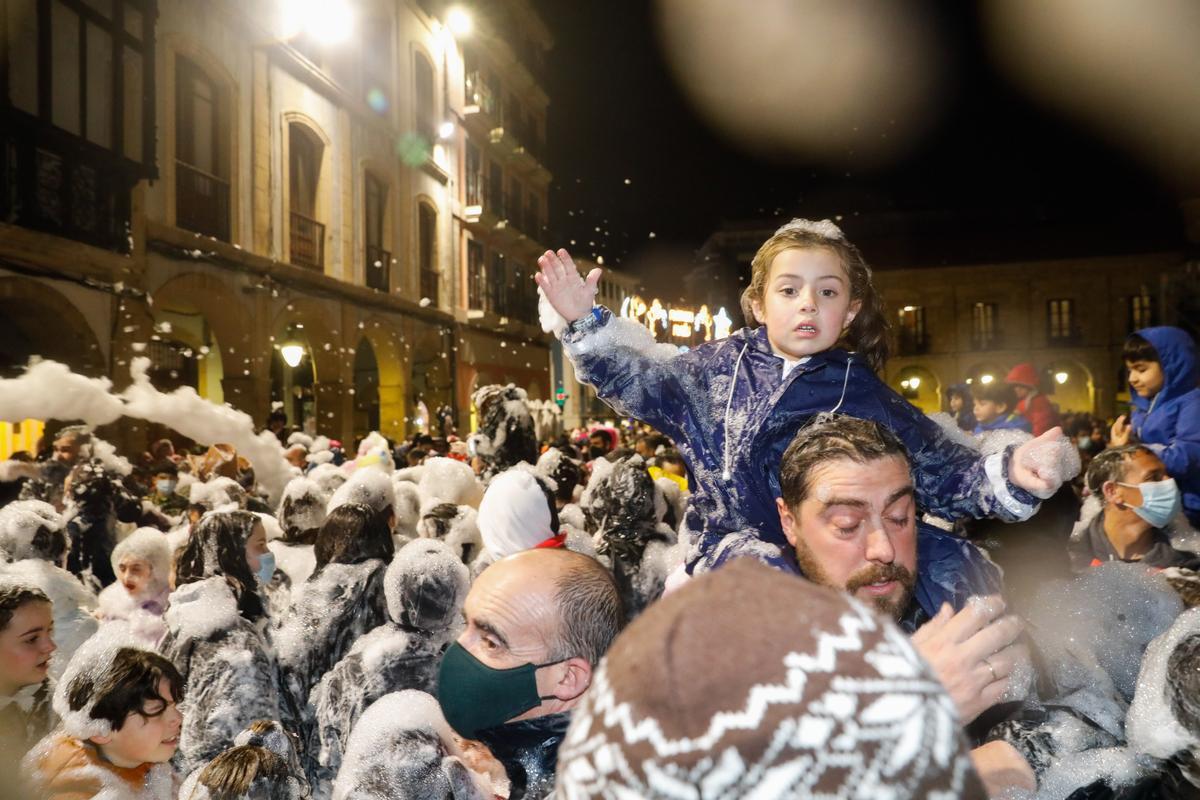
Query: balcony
(429, 286)
(201, 201)
(482, 110)
(377, 265)
(308, 242)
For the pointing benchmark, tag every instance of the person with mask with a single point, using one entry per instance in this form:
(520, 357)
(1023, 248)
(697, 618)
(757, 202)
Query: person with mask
(166, 479)
(1139, 501)
(537, 624)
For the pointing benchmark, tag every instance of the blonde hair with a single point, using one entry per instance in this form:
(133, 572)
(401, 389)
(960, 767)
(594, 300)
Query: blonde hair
(868, 331)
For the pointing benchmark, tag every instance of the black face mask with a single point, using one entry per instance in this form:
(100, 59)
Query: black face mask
(597, 452)
(474, 696)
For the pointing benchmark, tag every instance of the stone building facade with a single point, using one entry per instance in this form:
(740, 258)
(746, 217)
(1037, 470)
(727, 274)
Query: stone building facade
(205, 181)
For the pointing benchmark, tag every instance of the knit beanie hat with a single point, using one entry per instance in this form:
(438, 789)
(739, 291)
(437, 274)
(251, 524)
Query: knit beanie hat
(515, 514)
(751, 682)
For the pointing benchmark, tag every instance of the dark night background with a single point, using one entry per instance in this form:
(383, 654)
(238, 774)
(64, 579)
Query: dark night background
(997, 174)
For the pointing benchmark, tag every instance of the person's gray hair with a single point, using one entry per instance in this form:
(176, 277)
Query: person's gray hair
(828, 438)
(1111, 465)
(590, 611)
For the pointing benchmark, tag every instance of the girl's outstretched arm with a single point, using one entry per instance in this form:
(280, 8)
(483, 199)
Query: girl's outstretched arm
(629, 370)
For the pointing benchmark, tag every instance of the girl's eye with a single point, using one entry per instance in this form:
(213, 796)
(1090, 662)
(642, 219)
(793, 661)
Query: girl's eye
(787, 291)
(829, 292)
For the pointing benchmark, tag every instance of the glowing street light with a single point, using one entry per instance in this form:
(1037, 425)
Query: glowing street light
(326, 21)
(458, 20)
(1061, 377)
(446, 129)
(914, 382)
(986, 379)
(292, 352)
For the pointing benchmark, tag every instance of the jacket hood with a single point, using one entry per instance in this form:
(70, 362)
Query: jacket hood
(1177, 355)
(1023, 374)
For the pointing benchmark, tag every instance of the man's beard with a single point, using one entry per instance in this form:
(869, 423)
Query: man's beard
(876, 573)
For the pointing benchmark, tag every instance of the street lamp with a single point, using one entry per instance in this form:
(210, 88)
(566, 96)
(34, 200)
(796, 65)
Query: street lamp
(292, 352)
(446, 129)
(458, 20)
(986, 379)
(914, 382)
(326, 21)
(1061, 377)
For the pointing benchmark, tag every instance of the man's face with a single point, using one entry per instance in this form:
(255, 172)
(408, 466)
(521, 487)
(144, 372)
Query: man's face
(511, 619)
(66, 449)
(598, 442)
(856, 531)
(1140, 468)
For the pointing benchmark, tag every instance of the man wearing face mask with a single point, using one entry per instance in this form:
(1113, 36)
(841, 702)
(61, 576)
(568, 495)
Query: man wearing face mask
(1139, 501)
(166, 478)
(537, 624)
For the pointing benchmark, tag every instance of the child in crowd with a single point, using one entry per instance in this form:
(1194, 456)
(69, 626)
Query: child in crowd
(142, 563)
(120, 728)
(1031, 403)
(961, 404)
(1166, 407)
(216, 634)
(996, 409)
(26, 644)
(732, 406)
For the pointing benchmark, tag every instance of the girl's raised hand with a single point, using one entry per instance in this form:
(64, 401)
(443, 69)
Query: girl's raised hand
(568, 293)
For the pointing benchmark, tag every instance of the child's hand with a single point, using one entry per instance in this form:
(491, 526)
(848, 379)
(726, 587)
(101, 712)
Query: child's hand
(1041, 465)
(569, 295)
(1119, 435)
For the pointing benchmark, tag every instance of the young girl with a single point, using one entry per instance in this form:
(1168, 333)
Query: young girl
(732, 406)
(216, 634)
(26, 644)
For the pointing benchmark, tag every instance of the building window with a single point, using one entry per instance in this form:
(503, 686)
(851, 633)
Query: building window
(307, 237)
(76, 116)
(984, 334)
(498, 285)
(1141, 312)
(513, 203)
(912, 330)
(377, 260)
(427, 252)
(201, 162)
(426, 110)
(476, 276)
(1059, 319)
(475, 176)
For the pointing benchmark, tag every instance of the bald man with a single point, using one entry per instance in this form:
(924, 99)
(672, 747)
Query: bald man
(537, 624)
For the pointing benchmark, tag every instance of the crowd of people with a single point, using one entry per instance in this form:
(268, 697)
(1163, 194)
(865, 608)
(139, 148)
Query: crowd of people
(778, 582)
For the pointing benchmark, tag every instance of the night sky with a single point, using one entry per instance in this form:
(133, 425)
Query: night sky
(993, 157)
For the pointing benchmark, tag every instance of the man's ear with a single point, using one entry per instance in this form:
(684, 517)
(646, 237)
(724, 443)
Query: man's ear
(101, 740)
(1110, 492)
(787, 520)
(575, 679)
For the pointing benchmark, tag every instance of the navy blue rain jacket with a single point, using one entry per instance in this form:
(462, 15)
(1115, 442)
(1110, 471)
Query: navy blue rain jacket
(732, 413)
(1169, 422)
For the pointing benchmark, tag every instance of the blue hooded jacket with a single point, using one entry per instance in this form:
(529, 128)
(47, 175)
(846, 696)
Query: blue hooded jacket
(1008, 422)
(1169, 422)
(732, 413)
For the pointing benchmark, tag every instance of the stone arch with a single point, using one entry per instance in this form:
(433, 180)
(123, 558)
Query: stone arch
(36, 319)
(919, 385)
(392, 361)
(1071, 385)
(317, 326)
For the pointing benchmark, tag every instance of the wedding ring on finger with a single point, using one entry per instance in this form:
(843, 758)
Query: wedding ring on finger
(991, 669)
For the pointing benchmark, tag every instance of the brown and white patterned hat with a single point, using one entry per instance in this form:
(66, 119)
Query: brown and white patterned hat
(751, 683)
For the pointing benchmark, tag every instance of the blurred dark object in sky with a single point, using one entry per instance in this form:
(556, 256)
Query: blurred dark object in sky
(636, 165)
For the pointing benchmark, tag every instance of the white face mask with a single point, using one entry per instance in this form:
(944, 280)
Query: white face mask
(1160, 501)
